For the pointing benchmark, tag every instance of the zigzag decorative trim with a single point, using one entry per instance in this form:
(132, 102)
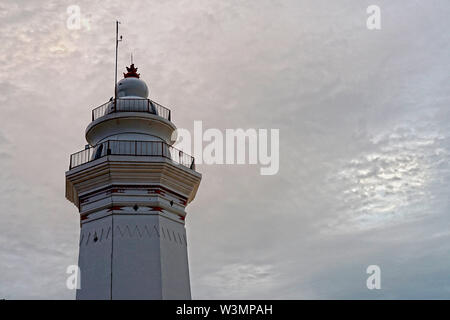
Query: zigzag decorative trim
(94, 236)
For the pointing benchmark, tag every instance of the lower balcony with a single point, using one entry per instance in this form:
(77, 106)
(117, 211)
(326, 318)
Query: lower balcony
(132, 148)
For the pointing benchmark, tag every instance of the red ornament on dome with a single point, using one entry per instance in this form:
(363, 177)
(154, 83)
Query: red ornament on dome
(132, 72)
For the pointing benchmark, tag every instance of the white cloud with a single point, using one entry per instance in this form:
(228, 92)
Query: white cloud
(391, 183)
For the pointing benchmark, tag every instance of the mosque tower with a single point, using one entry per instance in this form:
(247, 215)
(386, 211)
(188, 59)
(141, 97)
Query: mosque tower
(132, 188)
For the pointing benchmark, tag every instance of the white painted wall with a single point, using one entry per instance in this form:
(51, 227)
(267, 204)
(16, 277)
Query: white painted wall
(148, 260)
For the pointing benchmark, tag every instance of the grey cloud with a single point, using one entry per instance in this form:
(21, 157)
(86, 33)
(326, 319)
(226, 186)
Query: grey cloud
(357, 110)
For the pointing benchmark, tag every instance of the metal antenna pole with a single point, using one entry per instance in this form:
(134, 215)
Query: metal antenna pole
(117, 48)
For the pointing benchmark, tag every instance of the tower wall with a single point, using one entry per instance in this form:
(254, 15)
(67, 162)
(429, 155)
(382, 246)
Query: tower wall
(94, 259)
(174, 261)
(147, 254)
(136, 257)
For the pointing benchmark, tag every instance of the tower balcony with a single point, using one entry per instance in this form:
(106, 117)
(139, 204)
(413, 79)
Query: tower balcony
(134, 149)
(131, 105)
(130, 115)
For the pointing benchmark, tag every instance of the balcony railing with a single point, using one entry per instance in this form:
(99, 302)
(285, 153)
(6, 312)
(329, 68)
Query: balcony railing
(131, 105)
(131, 148)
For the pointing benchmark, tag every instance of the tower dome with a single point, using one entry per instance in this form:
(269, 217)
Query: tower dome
(131, 86)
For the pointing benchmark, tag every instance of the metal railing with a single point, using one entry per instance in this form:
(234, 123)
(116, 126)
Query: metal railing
(131, 148)
(131, 105)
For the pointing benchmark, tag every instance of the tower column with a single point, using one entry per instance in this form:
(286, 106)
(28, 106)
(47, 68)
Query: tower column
(132, 188)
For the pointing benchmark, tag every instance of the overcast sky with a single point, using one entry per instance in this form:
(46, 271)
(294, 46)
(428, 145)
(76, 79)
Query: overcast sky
(364, 120)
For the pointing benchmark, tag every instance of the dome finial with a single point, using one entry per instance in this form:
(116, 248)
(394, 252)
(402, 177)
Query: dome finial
(132, 72)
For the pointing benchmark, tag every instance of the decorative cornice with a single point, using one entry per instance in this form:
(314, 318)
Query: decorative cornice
(112, 170)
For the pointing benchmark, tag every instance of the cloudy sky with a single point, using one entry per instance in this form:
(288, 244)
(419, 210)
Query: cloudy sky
(364, 120)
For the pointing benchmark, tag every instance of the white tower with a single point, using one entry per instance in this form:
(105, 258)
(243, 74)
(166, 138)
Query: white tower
(131, 188)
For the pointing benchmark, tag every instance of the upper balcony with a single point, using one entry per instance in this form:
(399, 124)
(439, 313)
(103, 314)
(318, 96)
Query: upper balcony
(131, 105)
(130, 115)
